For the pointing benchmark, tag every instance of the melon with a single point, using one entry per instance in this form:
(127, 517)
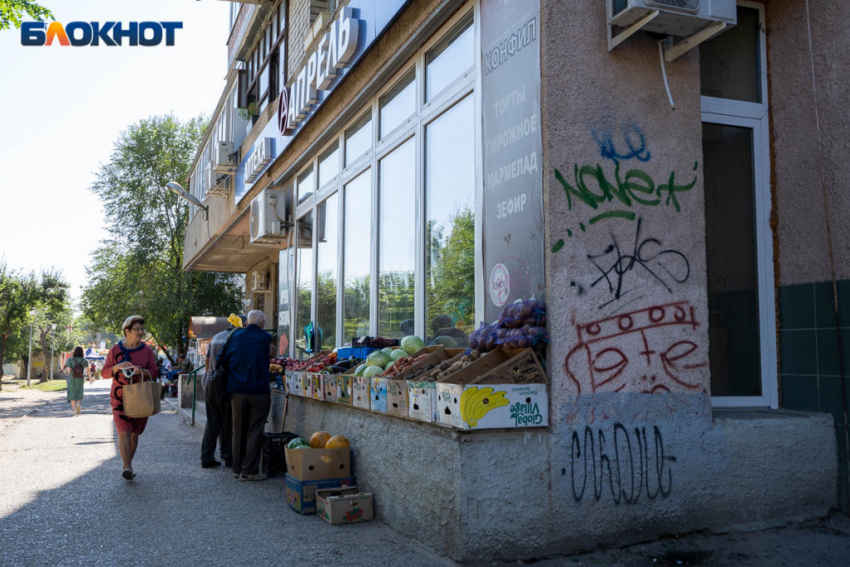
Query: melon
(411, 344)
(318, 439)
(378, 358)
(372, 371)
(337, 442)
(298, 443)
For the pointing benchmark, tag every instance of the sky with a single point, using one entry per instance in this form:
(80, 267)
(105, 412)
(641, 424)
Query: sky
(63, 108)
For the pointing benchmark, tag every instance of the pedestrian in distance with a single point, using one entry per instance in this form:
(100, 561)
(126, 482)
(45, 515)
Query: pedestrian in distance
(219, 427)
(77, 369)
(128, 357)
(246, 357)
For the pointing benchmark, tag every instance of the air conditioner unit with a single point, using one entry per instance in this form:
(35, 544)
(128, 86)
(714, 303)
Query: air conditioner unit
(268, 218)
(260, 282)
(680, 18)
(223, 164)
(220, 186)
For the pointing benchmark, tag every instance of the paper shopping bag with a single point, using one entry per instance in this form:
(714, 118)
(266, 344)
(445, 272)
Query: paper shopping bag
(141, 399)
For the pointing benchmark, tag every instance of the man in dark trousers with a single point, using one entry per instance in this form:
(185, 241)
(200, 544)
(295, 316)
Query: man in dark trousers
(219, 426)
(247, 360)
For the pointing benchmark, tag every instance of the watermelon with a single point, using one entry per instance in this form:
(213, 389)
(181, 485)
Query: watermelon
(298, 443)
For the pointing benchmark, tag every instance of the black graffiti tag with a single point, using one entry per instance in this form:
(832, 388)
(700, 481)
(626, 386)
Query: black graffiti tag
(648, 254)
(638, 477)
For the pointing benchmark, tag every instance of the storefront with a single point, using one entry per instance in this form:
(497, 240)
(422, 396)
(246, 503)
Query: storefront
(468, 155)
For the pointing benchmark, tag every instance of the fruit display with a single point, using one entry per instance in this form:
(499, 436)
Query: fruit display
(337, 442)
(298, 443)
(521, 325)
(401, 364)
(279, 365)
(434, 373)
(319, 439)
(314, 364)
(342, 366)
(412, 344)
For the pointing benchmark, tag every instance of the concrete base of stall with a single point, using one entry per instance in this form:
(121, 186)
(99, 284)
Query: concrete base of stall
(521, 494)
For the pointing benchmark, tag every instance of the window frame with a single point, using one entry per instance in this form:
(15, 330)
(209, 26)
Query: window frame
(755, 115)
(468, 83)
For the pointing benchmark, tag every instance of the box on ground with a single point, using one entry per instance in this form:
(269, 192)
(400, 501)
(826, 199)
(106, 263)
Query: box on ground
(502, 389)
(344, 505)
(360, 392)
(301, 494)
(318, 464)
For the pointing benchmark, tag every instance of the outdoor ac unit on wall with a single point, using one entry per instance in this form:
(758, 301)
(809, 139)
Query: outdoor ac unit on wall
(260, 282)
(268, 218)
(224, 165)
(680, 18)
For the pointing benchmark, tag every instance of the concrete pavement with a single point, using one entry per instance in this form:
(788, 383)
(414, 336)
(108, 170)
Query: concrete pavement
(63, 502)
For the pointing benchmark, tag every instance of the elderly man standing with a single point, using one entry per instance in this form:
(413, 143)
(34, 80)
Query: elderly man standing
(247, 360)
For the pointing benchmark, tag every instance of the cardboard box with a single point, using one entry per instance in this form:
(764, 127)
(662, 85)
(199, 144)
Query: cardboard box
(343, 389)
(360, 392)
(289, 380)
(397, 398)
(437, 356)
(301, 494)
(378, 394)
(344, 505)
(306, 385)
(330, 387)
(318, 385)
(318, 464)
(422, 399)
(503, 389)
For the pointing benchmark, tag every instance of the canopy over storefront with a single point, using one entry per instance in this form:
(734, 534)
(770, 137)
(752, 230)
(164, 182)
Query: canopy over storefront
(206, 327)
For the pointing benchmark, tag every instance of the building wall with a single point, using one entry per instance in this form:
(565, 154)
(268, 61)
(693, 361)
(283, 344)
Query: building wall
(808, 174)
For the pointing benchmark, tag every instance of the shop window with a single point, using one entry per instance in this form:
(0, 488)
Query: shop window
(730, 63)
(397, 242)
(305, 185)
(304, 290)
(358, 139)
(328, 165)
(357, 264)
(731, 260)
(398, 105)
(284, 306)
(327, 250)
(450, 224)
(449, 59)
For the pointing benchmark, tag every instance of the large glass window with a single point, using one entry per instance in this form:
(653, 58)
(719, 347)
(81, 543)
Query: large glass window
(449, 59)
(329, 165)
(358, 139)
(305, 185)
(397, 242)
(450, 224)
(357, 256)
(285, 301)
(398, 105)
(327, 237)
(303, 314)
(729, 64)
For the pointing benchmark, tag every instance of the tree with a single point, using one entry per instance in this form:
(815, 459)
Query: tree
(12, 10)
(140, 270)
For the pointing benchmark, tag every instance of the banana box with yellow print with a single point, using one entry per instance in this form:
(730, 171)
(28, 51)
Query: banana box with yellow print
(504, 389)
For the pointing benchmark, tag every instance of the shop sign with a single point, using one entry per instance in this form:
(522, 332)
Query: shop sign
(334, 51)
(513, 153)
(261, 154)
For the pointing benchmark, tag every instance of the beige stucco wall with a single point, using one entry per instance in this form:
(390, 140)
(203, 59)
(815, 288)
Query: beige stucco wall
(596, 102)
(797, 153)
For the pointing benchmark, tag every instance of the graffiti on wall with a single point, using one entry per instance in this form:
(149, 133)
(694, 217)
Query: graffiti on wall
(595, 188)
(625, 462)
(653, 344)
(643, 256)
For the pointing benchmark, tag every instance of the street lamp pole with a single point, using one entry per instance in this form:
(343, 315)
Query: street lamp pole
(29, 356)
(52, 346)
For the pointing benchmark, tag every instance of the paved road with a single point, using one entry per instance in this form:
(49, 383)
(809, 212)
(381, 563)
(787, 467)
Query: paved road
(64, 502)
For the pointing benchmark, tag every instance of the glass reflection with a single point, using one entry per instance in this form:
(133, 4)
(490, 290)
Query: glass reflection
(305, 185)
(304, 263)
(357, 256)
(449, 59)
(358, 139)
(398, 105)
(397, 242)
(327, 225)
(450, 226)
(328, 166)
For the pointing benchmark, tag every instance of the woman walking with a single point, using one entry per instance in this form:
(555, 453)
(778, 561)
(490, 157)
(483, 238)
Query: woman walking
(135, 357)
(77, 368)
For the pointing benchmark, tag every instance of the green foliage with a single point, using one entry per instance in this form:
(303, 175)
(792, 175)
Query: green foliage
(140, 270)
(11, 12)
(450, 274)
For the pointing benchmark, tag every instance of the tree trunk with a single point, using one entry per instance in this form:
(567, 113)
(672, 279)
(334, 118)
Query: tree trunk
(26, 361)
(44, 339)
(3, 342)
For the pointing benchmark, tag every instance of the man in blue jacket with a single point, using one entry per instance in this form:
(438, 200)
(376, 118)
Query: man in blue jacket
(247, 359)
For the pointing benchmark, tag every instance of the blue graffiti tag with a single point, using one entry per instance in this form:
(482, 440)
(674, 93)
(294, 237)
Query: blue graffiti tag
(633, 139)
